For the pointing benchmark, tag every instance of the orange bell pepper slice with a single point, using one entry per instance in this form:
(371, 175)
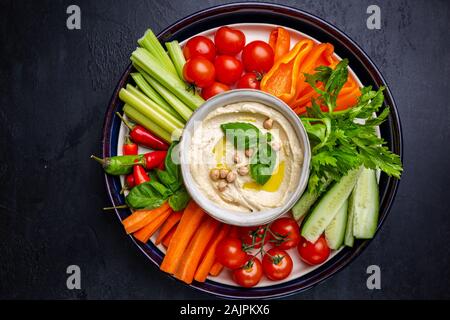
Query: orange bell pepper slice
(280, 41)
(347, 98)
(320, 55)
(349, 94)
(281, 80)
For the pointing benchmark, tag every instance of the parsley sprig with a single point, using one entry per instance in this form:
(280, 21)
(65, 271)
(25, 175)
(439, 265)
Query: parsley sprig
(343, 140)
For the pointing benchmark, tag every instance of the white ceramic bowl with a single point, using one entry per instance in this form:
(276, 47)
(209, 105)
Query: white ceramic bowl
(231, 216)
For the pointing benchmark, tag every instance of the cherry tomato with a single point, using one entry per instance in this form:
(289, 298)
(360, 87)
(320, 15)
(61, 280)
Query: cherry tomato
(313, 253)
(250, 274)
(257, 57)
(289, 230)
(200, 46)
(199, 71)
(229, 41)
(230, 254)
(277, 264)
(249, 81)
(228, 69)
(214, 89)
(246, 234)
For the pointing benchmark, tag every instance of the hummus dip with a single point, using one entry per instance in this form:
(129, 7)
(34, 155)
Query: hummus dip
(210, 152)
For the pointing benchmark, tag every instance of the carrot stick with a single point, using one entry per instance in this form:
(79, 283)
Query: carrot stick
(194, 252)
(168, 237)
(146, 232)
(216, 269)
(141, 218)
(210, 255)
(186, 229)
(172, 220)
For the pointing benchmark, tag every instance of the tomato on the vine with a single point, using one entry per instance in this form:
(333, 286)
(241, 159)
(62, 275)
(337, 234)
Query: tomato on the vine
(277, 264)
(313, 253)
(199, 72)
(230, 254)
(229, 41)
(258, 56)
(199, 46)
(228, 69)
(289, 231)
(250, 234)
(214, 89)
(249, 80)
(250, 274)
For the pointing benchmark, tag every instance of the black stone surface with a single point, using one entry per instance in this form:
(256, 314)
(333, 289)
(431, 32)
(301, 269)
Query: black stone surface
(55, 85)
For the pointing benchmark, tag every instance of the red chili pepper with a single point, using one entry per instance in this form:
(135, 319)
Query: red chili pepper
(129, 147)
(162, 165)
(129, 181)
(140, 176)
(154, 159)
(143, 137)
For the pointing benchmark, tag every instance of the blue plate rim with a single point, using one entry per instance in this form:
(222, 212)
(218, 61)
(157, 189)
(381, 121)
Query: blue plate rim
(343, 258)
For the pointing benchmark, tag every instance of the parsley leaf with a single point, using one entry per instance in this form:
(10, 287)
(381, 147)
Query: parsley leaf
(344, 140)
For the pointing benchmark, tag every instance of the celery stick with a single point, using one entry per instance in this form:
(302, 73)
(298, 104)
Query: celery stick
(154, 95)
(137, 117)
(152, 44)
(142, 58)
(135, 91)
(148, 110)
(175, 53)
(178, 105)
(148, 90)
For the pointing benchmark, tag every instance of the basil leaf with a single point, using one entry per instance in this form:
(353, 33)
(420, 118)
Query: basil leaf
(144, 196)
(179, 200)
(168, 180)
(152, 175)
(244, 135)
(262, 164)
(247, 136)
(172, 167)
(161, 189)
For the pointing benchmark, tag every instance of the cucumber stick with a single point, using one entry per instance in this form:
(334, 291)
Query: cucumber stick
(301, 208)
(349, 238)
(328, 206)
(365, 205)
(335, 232)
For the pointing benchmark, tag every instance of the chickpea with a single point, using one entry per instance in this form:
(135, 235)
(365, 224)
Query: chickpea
(223, 173)
(268, 124)
(222, 185)
(231, 176)
(236, 158)
(243, 171)
(214, 174)
(248, 153)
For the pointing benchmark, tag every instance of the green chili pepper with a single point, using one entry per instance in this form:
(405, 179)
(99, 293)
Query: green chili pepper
(119, 165)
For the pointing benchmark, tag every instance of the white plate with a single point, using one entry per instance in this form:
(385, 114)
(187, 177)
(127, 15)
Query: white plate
(252, 32)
